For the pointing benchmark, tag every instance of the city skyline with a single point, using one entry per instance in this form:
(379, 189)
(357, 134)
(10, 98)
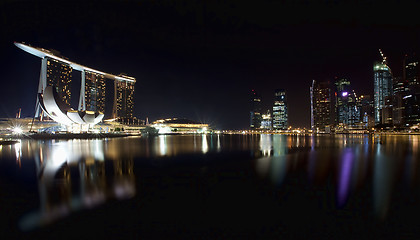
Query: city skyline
(200, 61)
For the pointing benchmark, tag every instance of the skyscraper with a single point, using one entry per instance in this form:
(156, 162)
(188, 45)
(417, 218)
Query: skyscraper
(412, 97)
(320, 106)
(95, 92)
(280, 116)
(59, 76)
(382, 85)
(400, 91)
(255, 113)
(124, 99)
(266, 120)
(341, 96)
(366, 111)
(347, 105)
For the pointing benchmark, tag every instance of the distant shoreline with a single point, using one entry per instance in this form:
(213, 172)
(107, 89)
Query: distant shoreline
(70, 135)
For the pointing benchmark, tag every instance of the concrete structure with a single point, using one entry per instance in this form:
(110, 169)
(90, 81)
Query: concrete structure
(54, 91)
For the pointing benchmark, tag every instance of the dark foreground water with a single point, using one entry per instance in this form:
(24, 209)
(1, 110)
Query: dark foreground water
(212, 187)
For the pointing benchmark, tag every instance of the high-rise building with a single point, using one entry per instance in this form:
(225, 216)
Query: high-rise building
(382, 88)
(366, 112)
(95, 92)
(280, 116)
(54, 91)
(124, 102)
(342, 96)
(59, 76)
(400, 91)
(347, 105)
(320, 106)
(411, 75)
(255, 113)
(266, 120)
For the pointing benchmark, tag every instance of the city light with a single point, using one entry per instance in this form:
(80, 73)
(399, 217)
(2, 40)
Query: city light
(17, 130)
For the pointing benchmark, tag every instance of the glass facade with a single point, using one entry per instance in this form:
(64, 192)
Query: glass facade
(382, 89)
(412, 97)
(255, 113)
(280, 116)
(320, 106)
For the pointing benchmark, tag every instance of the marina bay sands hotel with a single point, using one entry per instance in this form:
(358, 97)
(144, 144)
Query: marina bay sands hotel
(55, 91)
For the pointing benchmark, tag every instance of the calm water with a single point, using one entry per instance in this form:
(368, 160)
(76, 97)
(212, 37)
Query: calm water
(214, 186)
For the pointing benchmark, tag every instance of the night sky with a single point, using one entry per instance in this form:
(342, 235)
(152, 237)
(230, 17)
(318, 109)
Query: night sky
(201, 59)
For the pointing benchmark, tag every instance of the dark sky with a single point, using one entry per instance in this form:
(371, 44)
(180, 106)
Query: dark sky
(200, 59)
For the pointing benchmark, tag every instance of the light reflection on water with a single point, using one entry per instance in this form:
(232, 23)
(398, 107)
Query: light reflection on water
(79, 174)
(352, 157)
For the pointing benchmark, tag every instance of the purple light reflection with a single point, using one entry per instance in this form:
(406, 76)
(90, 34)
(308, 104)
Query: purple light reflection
(345, 177)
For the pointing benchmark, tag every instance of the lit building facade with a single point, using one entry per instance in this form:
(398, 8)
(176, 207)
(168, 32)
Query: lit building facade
(411, 75)
(266, 121)
(124, 102)
(400, 91)
(95, 92)
(320, 106)
(255, 113)
(280, 116)
(382, 88)
(366, 112)
(59, 76)
(54, 91)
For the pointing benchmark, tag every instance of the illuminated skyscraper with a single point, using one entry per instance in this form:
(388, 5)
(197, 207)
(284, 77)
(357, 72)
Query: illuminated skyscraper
(255, 113)
(280, 116)
(54, 91)
(347, 106)
(342, 93)
(382, 87)
(266, 120)
(366, 111)
(95, 92)
(59, 77)
(412, 97)
(400, 91)
(321, 106)
(124, 99)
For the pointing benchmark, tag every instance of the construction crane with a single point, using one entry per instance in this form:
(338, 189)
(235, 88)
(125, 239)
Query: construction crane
(383, 57)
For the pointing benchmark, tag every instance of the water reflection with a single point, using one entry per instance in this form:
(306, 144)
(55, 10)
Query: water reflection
(366, 169)
(345, 158)
(74, 175)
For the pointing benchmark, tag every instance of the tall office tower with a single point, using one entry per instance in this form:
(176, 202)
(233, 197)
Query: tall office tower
(280, 116)
(341, 98)
(411, 71)
(59, 76)
(366, 111)
(400, 91)
(255, 113)
(412, 98)
(95, 92)
(347, 105)
(266, 120)
(382, 86)
(124, 99)
(320, 106)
